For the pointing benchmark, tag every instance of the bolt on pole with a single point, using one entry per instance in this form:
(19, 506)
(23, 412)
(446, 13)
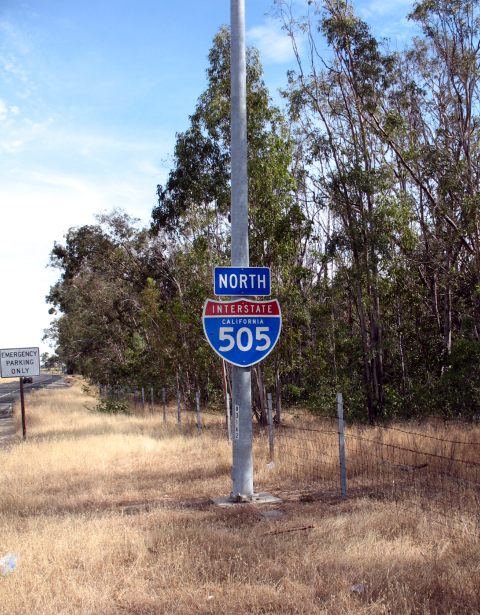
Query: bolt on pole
(242, 466)
(229, 418)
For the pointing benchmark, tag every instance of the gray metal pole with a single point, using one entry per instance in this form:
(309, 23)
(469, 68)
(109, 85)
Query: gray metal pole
(164, 401)
(151, 400)
(179, 408)
(143, 400)
(341, 446)
(242, 466)
(270, 426)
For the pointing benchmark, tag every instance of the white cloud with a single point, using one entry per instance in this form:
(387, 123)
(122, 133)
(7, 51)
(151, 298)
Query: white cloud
(146, 167)
(12, 68)
(14, 36)
(380, 8)
(15, 56)
(17, 134)
(274, 45)
(11, 146)
(389, 19)
(38, 208)
(3, 111)
(7, 112)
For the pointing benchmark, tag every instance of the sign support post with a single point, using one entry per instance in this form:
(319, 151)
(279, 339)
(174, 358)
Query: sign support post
(22, 404)
(241, 341)
(242, 467)
(21, 362)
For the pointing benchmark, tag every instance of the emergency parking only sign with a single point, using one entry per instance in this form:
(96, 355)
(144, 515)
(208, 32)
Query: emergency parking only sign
(19, 362)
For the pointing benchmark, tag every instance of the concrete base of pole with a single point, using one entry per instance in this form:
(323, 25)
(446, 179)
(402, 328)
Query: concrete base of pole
(256, 498)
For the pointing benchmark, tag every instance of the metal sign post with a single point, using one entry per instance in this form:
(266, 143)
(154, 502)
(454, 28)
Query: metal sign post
(243, 331)
(22, 362)
(22, 404)
(242, 470)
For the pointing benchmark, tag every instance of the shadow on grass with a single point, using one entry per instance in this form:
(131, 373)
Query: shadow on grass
(142, 489)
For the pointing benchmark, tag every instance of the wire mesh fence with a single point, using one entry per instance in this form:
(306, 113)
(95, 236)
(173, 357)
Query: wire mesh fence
(435, 465)
(170, 405)
(428, 470)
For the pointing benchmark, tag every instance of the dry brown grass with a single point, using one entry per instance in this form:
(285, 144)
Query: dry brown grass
(440, 450)
(9, 380)
(110, 515)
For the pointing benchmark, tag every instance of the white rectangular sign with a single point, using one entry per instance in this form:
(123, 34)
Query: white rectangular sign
(17, 362)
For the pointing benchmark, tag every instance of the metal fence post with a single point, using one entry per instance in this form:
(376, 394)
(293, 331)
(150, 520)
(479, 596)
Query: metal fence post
(22, 406)
(151, 400)
(199, 416)
(164, 401)
(143, 400)
(229, 419)
(270, 426)
(178, 407)
(341, 446)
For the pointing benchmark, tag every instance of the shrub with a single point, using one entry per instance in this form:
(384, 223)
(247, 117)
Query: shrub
(113, 406)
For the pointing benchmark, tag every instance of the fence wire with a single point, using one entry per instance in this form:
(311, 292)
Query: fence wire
(409, 467)
(413, 465)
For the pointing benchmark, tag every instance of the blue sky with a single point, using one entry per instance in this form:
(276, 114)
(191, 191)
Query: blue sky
(91, 96)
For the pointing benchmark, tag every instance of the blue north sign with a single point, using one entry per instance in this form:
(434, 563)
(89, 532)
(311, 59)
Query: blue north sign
(241, 281)
(243, 332)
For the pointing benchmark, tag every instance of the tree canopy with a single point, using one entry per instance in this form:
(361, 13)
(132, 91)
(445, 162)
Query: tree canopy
(363, 197)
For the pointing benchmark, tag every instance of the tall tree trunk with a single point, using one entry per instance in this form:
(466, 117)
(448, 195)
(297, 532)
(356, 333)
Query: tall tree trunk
(366, 352)
(262, 411)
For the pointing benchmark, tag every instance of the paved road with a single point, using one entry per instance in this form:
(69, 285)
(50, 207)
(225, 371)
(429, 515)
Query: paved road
(10, 392)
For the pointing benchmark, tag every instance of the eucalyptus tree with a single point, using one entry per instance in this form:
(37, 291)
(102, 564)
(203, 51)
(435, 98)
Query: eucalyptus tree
(193, 206)
(432, 129)
(392, 143)
(102, 329)
(349, 177)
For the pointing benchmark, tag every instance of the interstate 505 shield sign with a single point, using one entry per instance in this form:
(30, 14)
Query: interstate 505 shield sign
(242, 332)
